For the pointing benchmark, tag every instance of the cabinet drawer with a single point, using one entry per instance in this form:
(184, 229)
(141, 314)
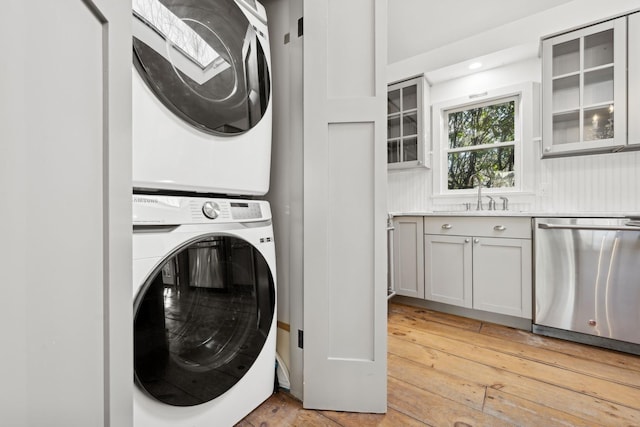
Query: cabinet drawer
(499, 226)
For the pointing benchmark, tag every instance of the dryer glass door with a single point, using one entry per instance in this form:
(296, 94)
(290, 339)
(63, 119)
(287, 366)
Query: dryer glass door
(201, 319)
(204, 61)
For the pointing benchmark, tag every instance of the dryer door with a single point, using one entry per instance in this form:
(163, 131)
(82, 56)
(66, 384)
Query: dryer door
(201, 319)
(204, 60)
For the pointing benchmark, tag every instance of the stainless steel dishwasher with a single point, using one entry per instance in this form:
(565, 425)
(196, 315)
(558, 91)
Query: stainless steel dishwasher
(587, 281)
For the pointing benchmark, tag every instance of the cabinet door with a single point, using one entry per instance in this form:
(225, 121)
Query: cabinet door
(584, 90)
(448, 267)
(408, 258)
(407, 128)
(502, 276)
(634, 79)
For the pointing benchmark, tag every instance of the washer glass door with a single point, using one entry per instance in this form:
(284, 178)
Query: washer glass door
(201, 319)
(204, 60)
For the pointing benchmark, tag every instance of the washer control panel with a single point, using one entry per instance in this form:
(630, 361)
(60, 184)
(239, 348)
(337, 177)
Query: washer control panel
(176, 210)
(245, 210)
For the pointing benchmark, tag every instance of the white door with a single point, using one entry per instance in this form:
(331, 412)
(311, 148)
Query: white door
(345, 309)
(65, 186)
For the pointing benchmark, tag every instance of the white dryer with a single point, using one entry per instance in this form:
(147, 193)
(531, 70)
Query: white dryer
(204, 310)
(202, 114)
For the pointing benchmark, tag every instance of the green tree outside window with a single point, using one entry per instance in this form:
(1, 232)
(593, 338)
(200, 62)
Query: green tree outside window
(481, 141)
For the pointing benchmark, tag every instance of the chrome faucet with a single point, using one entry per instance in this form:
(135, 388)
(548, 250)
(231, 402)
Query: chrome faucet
(505, 203)
(479, 205)
(492, 203)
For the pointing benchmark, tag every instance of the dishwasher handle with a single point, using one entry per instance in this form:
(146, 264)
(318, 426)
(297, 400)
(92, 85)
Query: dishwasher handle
(546, 226)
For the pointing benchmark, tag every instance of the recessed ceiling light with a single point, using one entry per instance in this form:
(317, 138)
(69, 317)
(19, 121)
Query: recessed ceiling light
(475, 65)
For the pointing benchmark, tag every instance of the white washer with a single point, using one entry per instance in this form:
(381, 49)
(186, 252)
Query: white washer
(204, 288)
(202, 114)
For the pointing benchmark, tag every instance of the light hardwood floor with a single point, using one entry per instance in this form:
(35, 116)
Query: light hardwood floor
(446, 370)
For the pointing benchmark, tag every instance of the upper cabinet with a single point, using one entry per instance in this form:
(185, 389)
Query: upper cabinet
(634, 79)
(584, 75)
(406, 125)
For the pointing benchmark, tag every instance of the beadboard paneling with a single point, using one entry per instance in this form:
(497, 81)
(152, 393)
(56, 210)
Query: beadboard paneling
(603, 183)
(409, 190)
(597, 183)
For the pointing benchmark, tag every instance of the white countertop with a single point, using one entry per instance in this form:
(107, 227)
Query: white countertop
(520, 214)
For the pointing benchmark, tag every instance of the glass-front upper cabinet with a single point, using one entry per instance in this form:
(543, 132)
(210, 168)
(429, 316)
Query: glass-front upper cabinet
(584, 90)
(633, 100)
(406, 129)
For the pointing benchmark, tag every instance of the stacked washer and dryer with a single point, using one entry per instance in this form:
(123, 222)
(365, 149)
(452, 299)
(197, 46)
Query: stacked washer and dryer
(204, 277)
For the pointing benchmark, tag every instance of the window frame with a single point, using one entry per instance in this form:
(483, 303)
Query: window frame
(527, 106)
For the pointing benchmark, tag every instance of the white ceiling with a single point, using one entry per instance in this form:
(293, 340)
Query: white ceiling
(419, 26)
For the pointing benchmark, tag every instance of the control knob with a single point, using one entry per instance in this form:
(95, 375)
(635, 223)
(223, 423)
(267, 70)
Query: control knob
(211, 210)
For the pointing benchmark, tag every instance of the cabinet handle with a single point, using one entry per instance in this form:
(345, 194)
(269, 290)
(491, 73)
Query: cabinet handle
(447, 226)
(466, 240)
(499, 228)
(476, 240)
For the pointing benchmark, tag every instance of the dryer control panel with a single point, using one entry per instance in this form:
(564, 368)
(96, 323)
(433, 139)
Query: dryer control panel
(177, 210)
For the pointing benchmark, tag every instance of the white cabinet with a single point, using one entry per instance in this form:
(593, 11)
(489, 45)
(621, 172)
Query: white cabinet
(585, 90)
(448, 269)
(407, 126)
(408, 258)
(502, 276)
(481, 263)
(634, 79)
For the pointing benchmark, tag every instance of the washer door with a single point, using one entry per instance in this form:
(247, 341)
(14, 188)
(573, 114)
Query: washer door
(203, 59)
(201, 320)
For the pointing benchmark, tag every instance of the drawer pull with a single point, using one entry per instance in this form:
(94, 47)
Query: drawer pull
(447, 226)
(499, 228)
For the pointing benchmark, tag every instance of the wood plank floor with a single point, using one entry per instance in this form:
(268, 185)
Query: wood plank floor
(445, 370)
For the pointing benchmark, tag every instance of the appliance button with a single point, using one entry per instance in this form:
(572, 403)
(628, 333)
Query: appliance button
(211, 210)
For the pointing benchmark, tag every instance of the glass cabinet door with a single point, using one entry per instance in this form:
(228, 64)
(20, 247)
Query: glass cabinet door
(634, 80)
(405, 124)
(584, 90)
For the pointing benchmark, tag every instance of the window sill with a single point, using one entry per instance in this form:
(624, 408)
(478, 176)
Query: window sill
(406, 165)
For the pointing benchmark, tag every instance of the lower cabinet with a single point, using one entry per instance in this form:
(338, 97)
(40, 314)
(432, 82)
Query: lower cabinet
(408, 258)
(482, 263)
(448, 267)
(502, 276)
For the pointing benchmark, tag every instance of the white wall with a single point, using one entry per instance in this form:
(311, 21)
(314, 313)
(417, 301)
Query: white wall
(285, 194)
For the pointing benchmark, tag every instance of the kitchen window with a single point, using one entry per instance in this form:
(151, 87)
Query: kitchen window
(481, 143)
(491, 137)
